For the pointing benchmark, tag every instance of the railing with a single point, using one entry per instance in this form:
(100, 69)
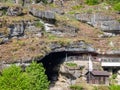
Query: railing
(110, 59)
(78, 58)
(110, 62)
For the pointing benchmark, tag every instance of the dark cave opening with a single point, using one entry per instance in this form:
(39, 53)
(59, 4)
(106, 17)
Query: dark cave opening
(51, 63)
(53, 60)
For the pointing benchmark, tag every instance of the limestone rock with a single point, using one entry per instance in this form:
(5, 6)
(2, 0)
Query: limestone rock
(66, 30)
(47, 14)
(14, 11)
(80, 46)
(98, 20)
(16, 29)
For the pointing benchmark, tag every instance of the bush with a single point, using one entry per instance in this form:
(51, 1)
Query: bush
(38, 79)
(34, 78)
(114, 87)
(112, 2)
(114, 76)
(92, 2)
(13, 78)
(117, 7)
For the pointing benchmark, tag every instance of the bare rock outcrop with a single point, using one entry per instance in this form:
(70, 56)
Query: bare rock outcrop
(102, 21)
(45, 14)
(14, 11)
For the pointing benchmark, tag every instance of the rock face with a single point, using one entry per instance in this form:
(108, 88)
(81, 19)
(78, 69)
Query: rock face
(3, 7)
(61, 31)
(118, 77)
(47, 14)
(101, 21)
(67, 76)
(80, 46)
(14, 11)
(16, 29)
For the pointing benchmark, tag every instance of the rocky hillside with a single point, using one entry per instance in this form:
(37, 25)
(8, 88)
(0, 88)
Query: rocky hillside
(30, 30)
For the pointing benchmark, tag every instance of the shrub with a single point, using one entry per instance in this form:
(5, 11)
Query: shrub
(112, 2)
(114, 87)
(92, 2)
(13, 78)
(114, 76)
(34, 78)
(38, 79)
(39, 24)
(117, 7)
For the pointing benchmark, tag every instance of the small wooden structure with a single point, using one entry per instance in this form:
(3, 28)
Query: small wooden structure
(97, 77)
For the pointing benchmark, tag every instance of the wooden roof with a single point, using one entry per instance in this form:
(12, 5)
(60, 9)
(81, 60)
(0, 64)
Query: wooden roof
(99, 73)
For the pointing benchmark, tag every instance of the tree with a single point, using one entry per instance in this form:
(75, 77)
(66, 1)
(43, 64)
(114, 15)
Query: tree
(117, 7)
(39, 80)
(13, 78)
(33, 78)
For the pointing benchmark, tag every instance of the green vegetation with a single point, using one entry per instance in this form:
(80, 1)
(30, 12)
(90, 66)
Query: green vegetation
(117, 7)
(76, 87)
(101, 88)
(77, 7)
(33, 78)
(92, 2)
(112, 2)
(114, 76)
(39, 24)
(12, 78)
(114, 87)
(71, 64)
(113, 79)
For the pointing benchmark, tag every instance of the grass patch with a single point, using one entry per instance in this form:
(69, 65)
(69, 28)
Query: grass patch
(71, 64)
(92, 2)
(76, 87)
(38, 24)
(101, 88)
(77, 7)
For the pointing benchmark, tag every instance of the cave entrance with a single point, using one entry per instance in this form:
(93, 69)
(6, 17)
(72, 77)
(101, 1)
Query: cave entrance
(53, 61)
